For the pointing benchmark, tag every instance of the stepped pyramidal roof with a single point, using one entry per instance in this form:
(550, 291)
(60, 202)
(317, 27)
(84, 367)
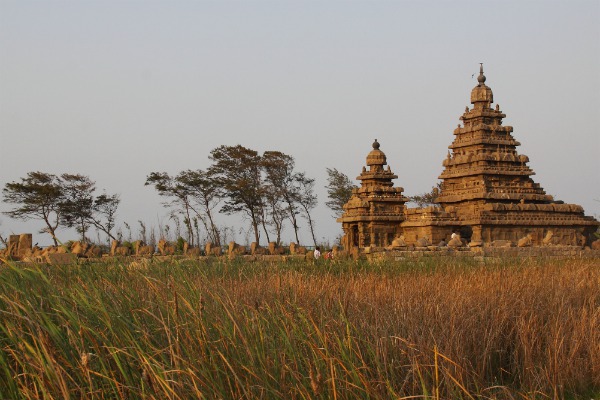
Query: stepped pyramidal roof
(487, 195)
(483, 162)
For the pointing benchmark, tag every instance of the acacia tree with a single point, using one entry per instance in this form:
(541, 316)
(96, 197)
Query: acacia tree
(80, 209)
(339, 190)
(178, 194)
(77, 202)
(104, 213)
(37, 196)
(238, 170)
(306, 198)
(66, 200)
(280, 190)
(274, 212)
(203, 192)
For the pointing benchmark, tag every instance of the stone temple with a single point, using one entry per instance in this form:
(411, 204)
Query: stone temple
(487, 195)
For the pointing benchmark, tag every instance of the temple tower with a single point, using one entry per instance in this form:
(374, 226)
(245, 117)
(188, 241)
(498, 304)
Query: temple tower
(487, 194)
(375, 210)
(483, 163)
(487, 184)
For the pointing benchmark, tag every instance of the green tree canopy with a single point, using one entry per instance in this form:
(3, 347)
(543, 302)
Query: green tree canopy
(307, 199)
(178, 194)
(66, 200)
(192, 193)
(77, 202)
(427, 199)
(339, 190)
(104, 213)
(37, 196)
(280, 194)
(238, 171)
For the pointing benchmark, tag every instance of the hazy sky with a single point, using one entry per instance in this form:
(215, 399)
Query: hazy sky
(118, 89)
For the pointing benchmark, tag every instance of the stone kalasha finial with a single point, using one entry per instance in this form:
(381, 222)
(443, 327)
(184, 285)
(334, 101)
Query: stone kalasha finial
(376, 156)
(481, 94)
(481, 77)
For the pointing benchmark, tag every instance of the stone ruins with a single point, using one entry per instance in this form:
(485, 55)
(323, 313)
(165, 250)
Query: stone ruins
(487, 196)
(20, 248)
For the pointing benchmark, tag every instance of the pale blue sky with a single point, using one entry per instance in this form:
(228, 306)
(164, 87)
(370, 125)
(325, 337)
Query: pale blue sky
(118, 89)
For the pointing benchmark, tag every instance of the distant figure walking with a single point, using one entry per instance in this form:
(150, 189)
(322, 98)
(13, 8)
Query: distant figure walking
(317, 253)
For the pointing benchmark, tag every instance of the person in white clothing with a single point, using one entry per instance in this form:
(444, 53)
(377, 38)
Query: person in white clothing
(317, 253)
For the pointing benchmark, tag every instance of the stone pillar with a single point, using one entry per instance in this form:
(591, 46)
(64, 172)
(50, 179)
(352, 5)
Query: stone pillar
(348, 238)
(25, 244)
(372, 238)
(361, 236)
(13, 245)
(136, 247)
(113, 247)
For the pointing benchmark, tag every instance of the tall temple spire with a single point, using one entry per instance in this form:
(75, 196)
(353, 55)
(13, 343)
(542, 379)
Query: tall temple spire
(485, 164)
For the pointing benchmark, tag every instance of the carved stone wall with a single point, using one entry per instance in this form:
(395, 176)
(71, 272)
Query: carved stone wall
(487, 194)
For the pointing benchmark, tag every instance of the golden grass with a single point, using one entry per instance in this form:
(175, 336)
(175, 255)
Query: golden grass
(434, 328)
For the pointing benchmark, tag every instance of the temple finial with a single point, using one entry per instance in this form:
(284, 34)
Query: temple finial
(481, 77)
(376, 145)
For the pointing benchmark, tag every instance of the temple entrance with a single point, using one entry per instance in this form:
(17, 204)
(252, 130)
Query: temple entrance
(354, 241)
(466, 232)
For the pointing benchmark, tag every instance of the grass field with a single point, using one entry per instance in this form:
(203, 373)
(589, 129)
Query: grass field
(429, 328)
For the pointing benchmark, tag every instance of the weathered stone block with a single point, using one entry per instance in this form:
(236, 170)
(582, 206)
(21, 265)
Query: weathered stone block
(25, 244)
(61, 258)
(274, 249)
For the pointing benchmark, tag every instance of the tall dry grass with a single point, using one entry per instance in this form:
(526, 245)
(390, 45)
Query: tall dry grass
(430, 328)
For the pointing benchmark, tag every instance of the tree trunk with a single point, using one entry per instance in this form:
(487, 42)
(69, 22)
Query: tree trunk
(312, 230)
(310, 224)
(278, 227)
(189, 226)
(83, 230)
(256, 234)
(213, 228)
(294, 222)
(264, 226)
(51, 230)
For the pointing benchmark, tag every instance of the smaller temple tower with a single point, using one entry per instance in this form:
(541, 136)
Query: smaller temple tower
(375, 210)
